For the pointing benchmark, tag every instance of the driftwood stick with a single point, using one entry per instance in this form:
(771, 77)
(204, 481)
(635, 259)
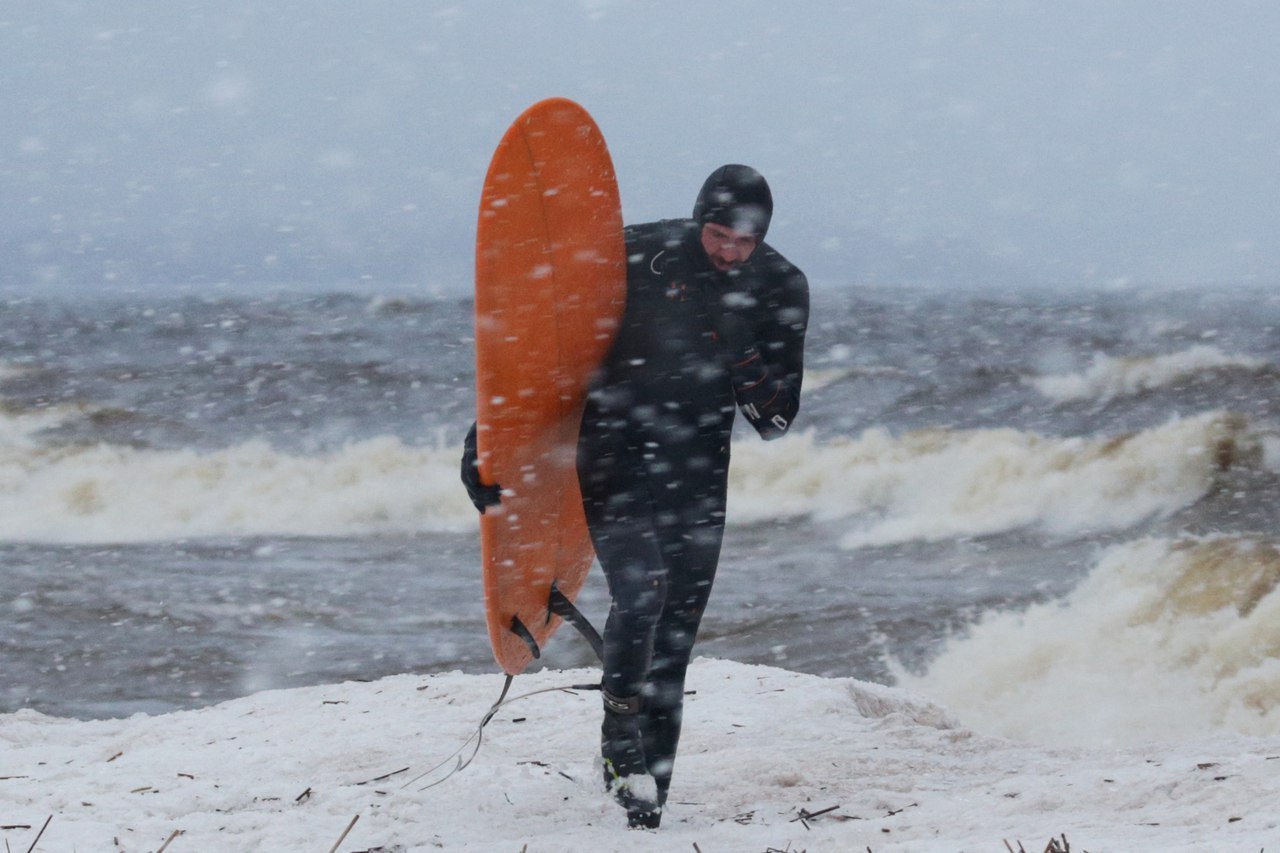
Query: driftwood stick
(1054, 848)
(824, 811)
(805, 815)
(345, 833)
(169, 840)
(385, 776)
(40, 833)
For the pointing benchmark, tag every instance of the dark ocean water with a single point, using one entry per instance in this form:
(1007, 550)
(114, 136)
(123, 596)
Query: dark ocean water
(203, 497)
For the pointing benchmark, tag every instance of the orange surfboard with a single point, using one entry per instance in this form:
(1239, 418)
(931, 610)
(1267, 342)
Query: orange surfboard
(550, 289)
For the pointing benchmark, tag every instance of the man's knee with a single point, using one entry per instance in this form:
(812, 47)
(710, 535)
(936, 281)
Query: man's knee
(664, 694)
(639, 594)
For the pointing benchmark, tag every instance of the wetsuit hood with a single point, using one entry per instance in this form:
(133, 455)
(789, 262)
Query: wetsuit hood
(736, 197)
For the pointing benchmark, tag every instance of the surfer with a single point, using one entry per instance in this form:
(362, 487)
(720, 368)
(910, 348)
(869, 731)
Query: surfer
(715, 321)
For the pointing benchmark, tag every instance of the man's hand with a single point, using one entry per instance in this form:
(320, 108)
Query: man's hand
(482, 496)
(761, 393)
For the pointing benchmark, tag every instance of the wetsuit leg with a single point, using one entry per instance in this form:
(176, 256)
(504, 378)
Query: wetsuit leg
(657, 522)
(621, 519)
(691, 550)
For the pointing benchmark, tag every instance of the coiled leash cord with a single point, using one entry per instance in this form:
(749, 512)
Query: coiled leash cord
(477, 737)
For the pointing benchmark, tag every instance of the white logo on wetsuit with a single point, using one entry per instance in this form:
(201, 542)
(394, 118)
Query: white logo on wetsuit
(753, 413)
(653, 264)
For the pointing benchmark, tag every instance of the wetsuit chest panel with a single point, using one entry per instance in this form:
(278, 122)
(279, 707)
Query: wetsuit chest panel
(666, 374)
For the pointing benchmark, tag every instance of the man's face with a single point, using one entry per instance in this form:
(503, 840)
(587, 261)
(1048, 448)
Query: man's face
(727, 249)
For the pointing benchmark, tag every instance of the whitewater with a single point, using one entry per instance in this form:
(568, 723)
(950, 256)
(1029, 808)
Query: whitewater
(1014, 575)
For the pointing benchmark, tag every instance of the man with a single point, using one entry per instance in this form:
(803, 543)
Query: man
(714, 318)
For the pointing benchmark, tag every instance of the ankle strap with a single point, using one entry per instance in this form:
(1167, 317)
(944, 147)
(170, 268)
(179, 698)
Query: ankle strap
(619, 705)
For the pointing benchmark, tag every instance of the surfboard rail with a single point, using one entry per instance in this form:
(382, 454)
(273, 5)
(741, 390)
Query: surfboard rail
(550, 289)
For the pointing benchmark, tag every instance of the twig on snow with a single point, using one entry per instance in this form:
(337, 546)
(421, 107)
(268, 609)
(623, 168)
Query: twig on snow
(805, 815)
(345, 833)
(385, 776)
(1052, 847)
(169, 840)
(40, 833)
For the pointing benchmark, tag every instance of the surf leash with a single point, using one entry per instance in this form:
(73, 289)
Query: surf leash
(477, 737)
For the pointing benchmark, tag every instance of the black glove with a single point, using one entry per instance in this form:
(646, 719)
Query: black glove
(761, 394)
(483, 496)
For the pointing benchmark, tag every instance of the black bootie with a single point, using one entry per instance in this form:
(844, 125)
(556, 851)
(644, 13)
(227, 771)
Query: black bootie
(625, 774)
(661, 733)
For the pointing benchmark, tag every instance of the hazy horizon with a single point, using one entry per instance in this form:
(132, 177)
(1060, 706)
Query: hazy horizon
(1001, 142)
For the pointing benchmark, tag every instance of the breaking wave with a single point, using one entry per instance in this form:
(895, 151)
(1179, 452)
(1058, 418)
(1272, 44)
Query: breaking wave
(937, 483)
(1175, 636)
(109, 493)
(1109, 377)
(882, 489)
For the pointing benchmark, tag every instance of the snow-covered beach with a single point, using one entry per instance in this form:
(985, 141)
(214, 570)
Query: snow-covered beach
(772, 760)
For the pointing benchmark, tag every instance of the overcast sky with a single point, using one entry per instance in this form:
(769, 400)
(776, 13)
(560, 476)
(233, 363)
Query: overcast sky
(1072, 143)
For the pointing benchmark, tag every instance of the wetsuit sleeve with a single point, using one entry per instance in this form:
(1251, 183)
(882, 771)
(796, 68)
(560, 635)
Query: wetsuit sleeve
(765, 342)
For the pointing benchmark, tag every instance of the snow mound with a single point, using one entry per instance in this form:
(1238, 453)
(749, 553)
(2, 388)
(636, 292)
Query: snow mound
(770, 759)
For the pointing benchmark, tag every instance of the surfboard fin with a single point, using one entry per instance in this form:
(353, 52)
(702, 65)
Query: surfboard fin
(518, 628)
(559, 604)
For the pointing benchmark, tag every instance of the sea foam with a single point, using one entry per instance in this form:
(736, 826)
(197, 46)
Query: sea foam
(1165, 637)
(1109, 377)
(939, 483)
(923, 485)
(110, 493)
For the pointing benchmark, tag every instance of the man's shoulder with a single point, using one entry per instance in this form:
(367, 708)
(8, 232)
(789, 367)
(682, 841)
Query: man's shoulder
(655, 236)
(767, 262)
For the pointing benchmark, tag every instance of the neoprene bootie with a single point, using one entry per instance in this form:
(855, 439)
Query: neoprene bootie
(622, 751)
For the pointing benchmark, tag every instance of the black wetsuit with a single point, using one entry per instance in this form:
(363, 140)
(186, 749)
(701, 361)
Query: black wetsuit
(653, 455)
